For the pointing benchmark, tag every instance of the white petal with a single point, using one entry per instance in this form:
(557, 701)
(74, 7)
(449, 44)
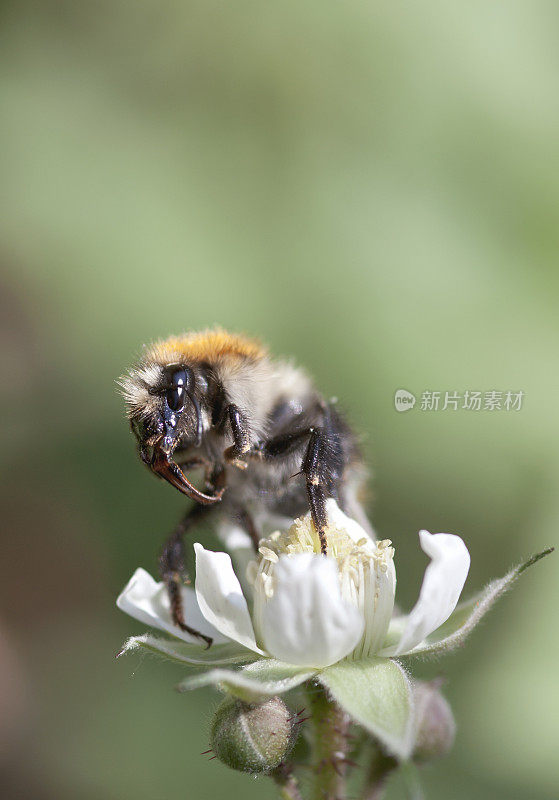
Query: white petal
(238, 543)
(147, 601)
(340, 521)
(306, 622)
(442, 584)
(220, 597)
(379, 609)
(234, 537)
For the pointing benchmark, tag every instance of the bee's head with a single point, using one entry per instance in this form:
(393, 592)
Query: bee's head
(165, 410)
(162, 403)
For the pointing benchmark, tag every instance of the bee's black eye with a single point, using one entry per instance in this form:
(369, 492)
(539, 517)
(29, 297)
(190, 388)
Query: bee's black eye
(175, 398)
(175, 394)
(179, 378)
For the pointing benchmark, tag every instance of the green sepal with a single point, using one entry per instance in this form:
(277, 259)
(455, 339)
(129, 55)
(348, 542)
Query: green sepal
(185, 653)
(254, 682)
(377, 694)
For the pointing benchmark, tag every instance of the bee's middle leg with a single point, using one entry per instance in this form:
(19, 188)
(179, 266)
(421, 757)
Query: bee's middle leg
(172, 568)
(247, 523)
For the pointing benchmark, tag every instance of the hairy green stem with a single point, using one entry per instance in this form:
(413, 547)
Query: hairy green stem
(330, 728)
(410, 774)
(287, 783)
(380, 767)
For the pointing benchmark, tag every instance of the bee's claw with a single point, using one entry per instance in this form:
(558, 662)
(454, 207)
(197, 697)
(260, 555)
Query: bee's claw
(187, 629)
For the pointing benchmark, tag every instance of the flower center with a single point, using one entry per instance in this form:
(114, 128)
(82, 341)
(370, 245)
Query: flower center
(366, 573)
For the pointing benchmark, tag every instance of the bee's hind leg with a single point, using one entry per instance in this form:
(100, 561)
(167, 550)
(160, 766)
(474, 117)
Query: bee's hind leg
(311, 469)
(324, 465)
(172, 568)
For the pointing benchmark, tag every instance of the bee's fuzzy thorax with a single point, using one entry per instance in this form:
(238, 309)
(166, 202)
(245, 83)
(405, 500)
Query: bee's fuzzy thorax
(210, 345)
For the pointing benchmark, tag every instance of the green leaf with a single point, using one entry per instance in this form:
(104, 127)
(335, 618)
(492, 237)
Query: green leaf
(377, 694)
(191, 654)
(466, 615)
(255, 682)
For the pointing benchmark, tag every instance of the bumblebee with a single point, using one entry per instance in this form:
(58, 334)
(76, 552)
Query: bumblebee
(269, 445)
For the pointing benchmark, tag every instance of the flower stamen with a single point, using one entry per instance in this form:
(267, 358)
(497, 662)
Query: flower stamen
(365, 569)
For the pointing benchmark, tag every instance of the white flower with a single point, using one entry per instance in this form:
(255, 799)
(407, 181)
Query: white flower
(314, 616)
(311, 610)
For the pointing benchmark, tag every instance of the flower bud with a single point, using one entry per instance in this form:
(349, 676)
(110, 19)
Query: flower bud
(435, 726)
(253, 737)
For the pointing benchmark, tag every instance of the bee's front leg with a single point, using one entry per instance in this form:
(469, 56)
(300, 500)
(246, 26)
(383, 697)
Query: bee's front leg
(172, 568)
(239, 450)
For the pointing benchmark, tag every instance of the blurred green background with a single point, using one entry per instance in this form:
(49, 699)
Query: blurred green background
(373, 189)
